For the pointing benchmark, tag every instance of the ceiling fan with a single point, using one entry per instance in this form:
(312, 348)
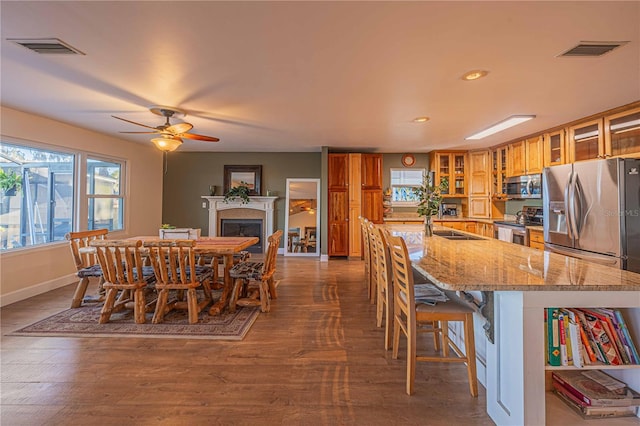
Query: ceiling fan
(171, 135)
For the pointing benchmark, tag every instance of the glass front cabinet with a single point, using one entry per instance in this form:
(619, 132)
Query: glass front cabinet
(451, 166)
(622, 133)
(554, 148)
(586, 141)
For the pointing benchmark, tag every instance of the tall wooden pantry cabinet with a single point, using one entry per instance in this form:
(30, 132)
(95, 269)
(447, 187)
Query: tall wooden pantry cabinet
(355, 189)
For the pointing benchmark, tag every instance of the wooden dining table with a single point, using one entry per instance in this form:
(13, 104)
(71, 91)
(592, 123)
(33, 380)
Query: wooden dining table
(218, 247)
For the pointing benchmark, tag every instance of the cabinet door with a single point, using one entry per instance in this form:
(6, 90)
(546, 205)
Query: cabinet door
(459, 178)
(355, 205)
(554, 148)
(499, 173)
(534, 155)
(479, 207)
(372, 207)
(622, 133)
(479, 173)
(338, 169)
(586, 141)
(371, 171)
(470, 227)
(516, 159)
(338, 232)
(443, 171)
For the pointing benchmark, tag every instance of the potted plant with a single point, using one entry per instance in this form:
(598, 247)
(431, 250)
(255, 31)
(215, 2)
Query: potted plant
(430, 197)
(241, 191)
(10, 182)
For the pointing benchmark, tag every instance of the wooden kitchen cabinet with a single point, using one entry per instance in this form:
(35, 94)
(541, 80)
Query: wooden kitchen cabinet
(536, 239)
(452, 167)
(499, 173)
(554, 148)
(586, 141)
(525, 157)
(484, 229)
(355, 189)
(338, 205)
(622, 133)
(479, 192)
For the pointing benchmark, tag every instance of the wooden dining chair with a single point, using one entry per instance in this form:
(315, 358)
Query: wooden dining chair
(85, 261)
(372, 246)
(176, 270)
(411, 317)
(124, 273)
(384, 300)
(260, 273)
(366, 253)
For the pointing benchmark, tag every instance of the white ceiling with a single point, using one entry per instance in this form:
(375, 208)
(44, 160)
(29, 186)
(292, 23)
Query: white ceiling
(296, 76)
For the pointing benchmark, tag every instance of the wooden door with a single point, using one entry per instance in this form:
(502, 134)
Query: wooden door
(372, 207)
(534, 155)
(338, 205)
(371, 165)
(355, 205)
(516, 153)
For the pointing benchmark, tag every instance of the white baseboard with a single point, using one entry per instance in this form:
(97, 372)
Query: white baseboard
(324, 258)
(34, 290)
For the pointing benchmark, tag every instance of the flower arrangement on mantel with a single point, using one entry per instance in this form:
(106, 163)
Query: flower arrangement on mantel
(241, 191)
(430, 197)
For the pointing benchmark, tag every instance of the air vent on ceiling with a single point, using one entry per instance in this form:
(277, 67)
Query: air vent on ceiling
(47, 46)
(593, 48)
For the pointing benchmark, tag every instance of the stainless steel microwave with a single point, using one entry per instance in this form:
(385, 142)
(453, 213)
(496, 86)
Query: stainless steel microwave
(524, 187)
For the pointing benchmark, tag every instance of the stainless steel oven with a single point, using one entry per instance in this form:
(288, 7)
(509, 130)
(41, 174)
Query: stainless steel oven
(511, 232)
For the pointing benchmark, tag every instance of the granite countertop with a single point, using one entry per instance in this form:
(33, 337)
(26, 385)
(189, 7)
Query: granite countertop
(443, 219)
(487, 264)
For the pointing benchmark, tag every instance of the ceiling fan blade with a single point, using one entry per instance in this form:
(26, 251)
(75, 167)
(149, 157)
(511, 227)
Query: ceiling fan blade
(198, 137)
(179, 128)
(142, 133)
(133, 122)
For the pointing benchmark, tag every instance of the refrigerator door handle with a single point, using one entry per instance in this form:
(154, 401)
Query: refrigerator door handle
(567, 213)
(577, 210)
(571, 216)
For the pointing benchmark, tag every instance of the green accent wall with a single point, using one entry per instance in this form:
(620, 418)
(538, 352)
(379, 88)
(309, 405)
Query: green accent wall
(189, 175)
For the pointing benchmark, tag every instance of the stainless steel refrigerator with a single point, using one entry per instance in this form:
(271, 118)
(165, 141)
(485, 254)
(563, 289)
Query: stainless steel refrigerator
(592, 211)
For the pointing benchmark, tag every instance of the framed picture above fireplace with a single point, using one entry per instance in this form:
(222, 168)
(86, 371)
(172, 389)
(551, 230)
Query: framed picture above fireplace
(249, 175)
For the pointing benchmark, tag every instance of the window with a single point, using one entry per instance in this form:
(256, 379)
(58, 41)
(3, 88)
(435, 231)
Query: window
(36, 195)
(402, 183)
(104, 196)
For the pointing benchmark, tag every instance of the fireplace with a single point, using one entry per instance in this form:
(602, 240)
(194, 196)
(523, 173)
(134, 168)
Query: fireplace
(243, 228)
(257, 209)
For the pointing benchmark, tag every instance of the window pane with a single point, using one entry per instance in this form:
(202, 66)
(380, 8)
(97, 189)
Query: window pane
(404, 193)
(105, 213)
(39, 208)
(406, 177)
(103, 177)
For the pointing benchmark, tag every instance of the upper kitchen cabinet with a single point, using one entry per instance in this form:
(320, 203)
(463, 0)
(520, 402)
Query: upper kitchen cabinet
(525, 157)
(499, 173)
(622, 133)
(451, 166)
(586, 141)
(371, 166)
(554, 148)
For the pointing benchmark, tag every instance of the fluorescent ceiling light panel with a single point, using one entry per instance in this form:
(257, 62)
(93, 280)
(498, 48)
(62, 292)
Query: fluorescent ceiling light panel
(514, 120)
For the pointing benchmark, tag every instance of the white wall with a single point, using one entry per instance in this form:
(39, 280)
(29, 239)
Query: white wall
(30, 271)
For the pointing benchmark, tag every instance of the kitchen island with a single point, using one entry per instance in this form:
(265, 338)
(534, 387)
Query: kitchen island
(523, 282)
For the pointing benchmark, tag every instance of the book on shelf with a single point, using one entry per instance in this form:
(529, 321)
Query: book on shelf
(553, 337)
(607, 325)
(585, 336)
(589, 412)
(625, 344)
(600, 336)
(595, 388)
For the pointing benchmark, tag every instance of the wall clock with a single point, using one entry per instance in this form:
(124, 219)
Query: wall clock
(408, 160)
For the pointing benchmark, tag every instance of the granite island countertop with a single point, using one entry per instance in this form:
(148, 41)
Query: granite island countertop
(487, 264)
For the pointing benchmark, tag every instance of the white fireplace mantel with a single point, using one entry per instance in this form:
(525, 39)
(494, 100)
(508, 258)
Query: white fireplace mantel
(217, 203)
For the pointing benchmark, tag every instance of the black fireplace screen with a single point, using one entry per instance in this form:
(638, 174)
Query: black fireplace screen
(244, 228)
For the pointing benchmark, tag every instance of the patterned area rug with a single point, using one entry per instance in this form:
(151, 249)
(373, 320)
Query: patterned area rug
(83, 322)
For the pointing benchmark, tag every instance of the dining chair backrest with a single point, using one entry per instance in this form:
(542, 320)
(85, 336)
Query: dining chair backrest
(173, 261)
(403, 291)
(384, 310)
(373, 260)
(120, 260)
(78, 240)
(272, 253)
(366, 252)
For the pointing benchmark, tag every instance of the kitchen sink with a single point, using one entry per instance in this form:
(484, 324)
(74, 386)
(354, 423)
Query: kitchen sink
(453, 235)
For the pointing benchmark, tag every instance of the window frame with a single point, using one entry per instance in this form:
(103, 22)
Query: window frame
(122, 188)
(80, 197)
(422, 170)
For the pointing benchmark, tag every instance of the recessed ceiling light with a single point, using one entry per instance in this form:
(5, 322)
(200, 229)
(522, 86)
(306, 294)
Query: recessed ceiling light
(474, 75)
(420, 119)
(514, 120)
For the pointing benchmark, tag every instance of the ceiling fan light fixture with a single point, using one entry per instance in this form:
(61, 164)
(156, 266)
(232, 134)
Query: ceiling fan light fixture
(167, 144)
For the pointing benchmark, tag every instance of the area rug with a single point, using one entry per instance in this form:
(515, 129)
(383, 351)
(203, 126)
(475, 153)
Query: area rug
(83, 322)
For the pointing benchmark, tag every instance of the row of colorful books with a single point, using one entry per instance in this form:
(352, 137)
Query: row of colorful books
(579, 337)
(595, 394)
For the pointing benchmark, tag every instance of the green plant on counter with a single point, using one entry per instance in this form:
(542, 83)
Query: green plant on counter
(167, 226)
(10, 182)
(241, 191)
(430, 196)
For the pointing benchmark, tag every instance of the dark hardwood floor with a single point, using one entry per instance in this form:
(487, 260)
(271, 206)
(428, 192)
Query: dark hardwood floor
(316, 359)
